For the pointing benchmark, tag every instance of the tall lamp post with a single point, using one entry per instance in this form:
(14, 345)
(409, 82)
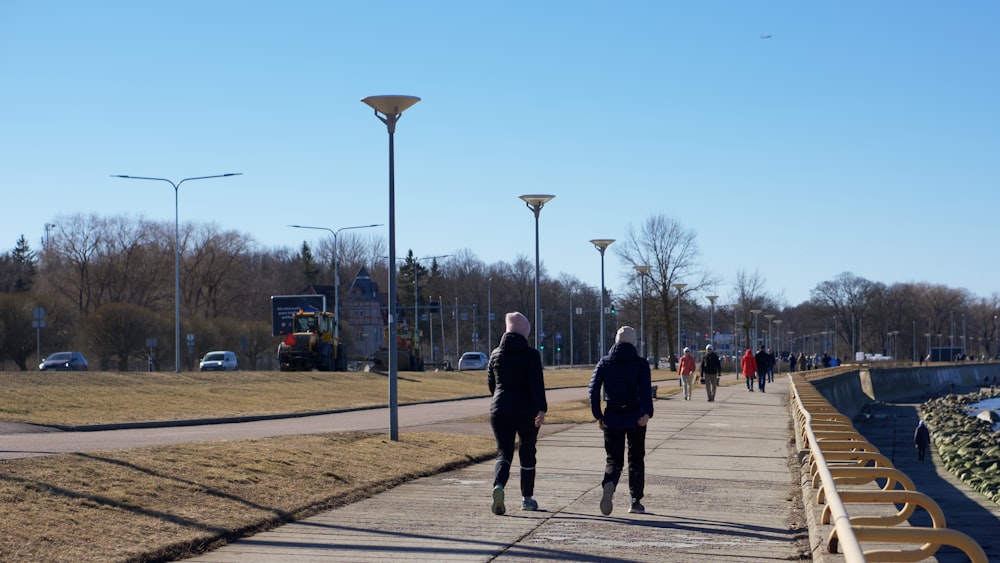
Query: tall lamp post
(177, 253)
(679, 287)
(535, 202)
(643, 271)
(711, 320)
(755, 313)
(602, 244)
(769, 341)
(388, 110)
(336, 270)
(416, 298)
(777, 348)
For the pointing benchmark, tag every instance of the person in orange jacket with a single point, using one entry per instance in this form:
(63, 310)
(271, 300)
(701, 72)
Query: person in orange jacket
(686, 369)
(748, 365)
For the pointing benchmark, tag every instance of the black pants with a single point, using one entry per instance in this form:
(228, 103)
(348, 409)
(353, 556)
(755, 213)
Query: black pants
(505, 428)
(614, 446)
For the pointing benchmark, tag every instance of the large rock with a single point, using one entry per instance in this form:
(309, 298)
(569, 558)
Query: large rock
(989, 416)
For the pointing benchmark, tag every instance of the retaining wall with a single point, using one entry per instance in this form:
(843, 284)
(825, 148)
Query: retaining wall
(851, 391)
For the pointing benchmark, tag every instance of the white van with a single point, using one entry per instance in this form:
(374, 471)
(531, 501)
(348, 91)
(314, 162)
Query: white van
(218, 361)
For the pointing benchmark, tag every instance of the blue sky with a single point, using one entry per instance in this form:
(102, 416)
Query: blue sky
(861, 136)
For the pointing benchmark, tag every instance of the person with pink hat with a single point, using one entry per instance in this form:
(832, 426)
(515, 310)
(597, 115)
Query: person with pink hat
(514, 375)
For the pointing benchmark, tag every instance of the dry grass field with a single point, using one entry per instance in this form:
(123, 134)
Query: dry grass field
(164, 503)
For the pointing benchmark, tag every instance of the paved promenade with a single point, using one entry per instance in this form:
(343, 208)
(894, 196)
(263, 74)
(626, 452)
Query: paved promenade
(719, 487)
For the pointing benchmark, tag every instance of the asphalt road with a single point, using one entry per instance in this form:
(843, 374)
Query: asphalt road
(22, 440)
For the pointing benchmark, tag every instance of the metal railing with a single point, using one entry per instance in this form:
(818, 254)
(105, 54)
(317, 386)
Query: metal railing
(840, 458)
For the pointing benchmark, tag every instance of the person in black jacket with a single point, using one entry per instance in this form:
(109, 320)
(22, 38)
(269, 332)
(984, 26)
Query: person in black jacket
(921, 439)
(711, 369)
(763, 366)
(514, 375)
(625, 380)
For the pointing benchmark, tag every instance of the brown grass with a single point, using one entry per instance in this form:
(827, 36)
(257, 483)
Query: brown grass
(164, 503)
(63, 398)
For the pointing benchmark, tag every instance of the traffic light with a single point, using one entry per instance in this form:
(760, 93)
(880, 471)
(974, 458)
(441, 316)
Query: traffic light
(612, 308)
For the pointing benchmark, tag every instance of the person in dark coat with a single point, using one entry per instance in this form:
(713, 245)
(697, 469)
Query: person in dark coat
(921, 439)
(763, 360)
(711, 369)
(514, 375)
(623, 379)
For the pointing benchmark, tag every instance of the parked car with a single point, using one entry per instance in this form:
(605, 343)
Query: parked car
(219, 360)
(64, 361)
(473, 360)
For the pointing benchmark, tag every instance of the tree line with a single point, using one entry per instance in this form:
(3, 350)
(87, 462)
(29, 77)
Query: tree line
(106, 285)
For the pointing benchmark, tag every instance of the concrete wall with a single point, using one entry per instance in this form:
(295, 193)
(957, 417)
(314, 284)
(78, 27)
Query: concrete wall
(851, 391)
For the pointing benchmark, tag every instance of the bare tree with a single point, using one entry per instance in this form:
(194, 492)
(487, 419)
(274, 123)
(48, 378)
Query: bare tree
(669, 249)
(212, 271)
(117, 332)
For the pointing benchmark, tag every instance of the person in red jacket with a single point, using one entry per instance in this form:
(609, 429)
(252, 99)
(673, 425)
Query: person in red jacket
(748, 366)
(686, 370)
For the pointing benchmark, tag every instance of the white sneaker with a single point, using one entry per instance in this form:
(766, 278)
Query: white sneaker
(498, 507)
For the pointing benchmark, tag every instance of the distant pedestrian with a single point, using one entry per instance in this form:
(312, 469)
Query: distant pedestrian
(921, 439)
(515, 379)
(770, 366)
(711, 369)
(686, 369)
(763, 360)
(748, 367)
(623, 379)
(802, 362)
(791, 362)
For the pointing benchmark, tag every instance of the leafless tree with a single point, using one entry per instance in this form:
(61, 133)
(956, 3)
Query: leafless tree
(670, 250)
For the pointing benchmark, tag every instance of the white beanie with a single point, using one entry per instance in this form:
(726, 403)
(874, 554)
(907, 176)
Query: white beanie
(626, 334)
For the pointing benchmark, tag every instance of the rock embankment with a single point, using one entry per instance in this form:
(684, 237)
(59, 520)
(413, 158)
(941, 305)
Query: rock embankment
(967, 444)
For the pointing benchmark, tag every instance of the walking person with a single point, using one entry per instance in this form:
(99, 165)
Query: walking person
(791, 362)
(686, 369)
(623, 379)
(711, 369)
(748, 367)
(921, 439)
(770, 366)
(514, 375)
(763, 360)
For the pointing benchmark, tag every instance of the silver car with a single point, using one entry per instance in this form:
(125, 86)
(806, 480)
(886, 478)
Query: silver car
(473, 360)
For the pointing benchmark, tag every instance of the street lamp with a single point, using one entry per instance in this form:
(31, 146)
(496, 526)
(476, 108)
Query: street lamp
(643, 270)
(711, 320)
(768, 340)
(679, 287)
(336, 271)
(416, 299)
(177, 253)
(535, 202)
(388, 110)
(602, 244)
(778, 347)
(755, 313)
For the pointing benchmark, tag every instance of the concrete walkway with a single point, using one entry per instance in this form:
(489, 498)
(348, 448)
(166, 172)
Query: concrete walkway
(719, 487)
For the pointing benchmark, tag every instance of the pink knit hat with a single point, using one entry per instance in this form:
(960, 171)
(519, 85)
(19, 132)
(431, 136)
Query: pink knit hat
(516, 322)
